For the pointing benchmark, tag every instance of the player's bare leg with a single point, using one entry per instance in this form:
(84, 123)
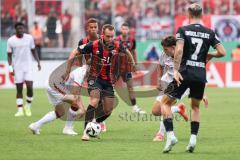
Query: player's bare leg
(167, 102)
(194, 124)
(157, 110)
(19, 101)
(132, 96)
(27, 107)
(58, 113)
(77, 108)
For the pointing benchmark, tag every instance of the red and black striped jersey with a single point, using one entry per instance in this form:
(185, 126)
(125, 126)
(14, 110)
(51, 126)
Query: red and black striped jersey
(101, 57)
(130, 43)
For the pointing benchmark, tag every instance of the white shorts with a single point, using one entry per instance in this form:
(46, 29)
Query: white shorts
(22, 76)
(54, 96)
(164, 86)
(77, 76)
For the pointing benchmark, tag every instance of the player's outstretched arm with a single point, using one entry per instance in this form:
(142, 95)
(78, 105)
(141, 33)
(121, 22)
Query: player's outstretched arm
(131, 58)
(70, 64)
(220, 52)
(35, 55)
(160, 70)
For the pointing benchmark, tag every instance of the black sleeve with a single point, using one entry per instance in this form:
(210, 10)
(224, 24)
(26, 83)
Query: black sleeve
(214, 40)
(134, 44)
(180, 34)
(85, 48)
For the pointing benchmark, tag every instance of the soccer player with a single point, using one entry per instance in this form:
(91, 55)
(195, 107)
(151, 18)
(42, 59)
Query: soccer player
(165, 77)
(191, 55)
(99, 80)
(21, 50)
(130, 44)
(92, 35)
(58, 95)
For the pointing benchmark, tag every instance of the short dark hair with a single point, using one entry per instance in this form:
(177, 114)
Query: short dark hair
(169, 41)
(18, 24)
(125, 24)
(195, 10)
(107, 26)
(91, 20)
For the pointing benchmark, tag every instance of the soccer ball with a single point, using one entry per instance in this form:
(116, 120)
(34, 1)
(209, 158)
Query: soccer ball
(93, 129)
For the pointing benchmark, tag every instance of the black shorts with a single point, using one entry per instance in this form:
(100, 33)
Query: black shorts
(126, 76)
(196, 89)
(105, 87)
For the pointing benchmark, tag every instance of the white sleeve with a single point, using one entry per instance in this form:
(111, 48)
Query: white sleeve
(32, 44)
(161, 59)
(9, 48)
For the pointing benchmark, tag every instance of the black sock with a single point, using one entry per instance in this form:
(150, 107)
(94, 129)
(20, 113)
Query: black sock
(103, 118)
(89, 115)
(168, 123)
(194, 127)
(133, 101)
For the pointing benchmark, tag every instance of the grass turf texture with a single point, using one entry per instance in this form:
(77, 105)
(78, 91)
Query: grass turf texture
(218, 138)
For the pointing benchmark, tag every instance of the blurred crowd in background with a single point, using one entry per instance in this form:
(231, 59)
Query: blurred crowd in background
(53, 24)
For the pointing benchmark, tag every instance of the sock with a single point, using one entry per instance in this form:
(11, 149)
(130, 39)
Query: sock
(133, 101)
(50, 116)
(175, 109)
(89, 115)
(19, 102)
(70, 117)
(194, 127)
(168, 123)
(103, 118)
(29, 101)
(162, 128)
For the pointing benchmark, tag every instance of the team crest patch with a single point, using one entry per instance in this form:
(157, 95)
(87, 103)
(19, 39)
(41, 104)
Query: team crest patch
(91, 82)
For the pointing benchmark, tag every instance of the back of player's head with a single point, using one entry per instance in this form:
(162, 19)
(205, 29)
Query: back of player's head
(91, 20)
(195, 10)
(169, 41)
(18, 24)
(107, 26)
(125, 24)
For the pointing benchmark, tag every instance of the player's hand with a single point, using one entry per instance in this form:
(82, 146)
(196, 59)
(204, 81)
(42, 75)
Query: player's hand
(134, 68)
(209, 57)
(39, 67)
(65, 76)
(178, 77)
(205, 101)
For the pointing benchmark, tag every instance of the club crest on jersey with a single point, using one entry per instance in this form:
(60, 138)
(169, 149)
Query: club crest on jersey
(91, 82)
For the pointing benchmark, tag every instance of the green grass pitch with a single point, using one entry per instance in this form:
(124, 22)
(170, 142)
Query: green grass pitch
(125, 140)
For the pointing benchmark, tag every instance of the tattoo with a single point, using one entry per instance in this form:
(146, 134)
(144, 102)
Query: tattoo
(178, 55)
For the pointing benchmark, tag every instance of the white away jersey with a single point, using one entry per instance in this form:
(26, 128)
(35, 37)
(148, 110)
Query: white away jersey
(167, 63)
(20, 48)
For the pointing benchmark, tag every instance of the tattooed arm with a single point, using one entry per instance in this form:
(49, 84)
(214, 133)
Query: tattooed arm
(177, 60)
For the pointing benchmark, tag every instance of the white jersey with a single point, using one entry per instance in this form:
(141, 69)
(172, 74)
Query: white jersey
(76, 78)
(167, 63)
(20, 48)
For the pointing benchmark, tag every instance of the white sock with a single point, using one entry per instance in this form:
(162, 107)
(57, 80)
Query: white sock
(170, 134)
(162, 129)
(175, 109)
(19, 103)
(50, 116)
(193, 139)
(29, 101)
(70, 118)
